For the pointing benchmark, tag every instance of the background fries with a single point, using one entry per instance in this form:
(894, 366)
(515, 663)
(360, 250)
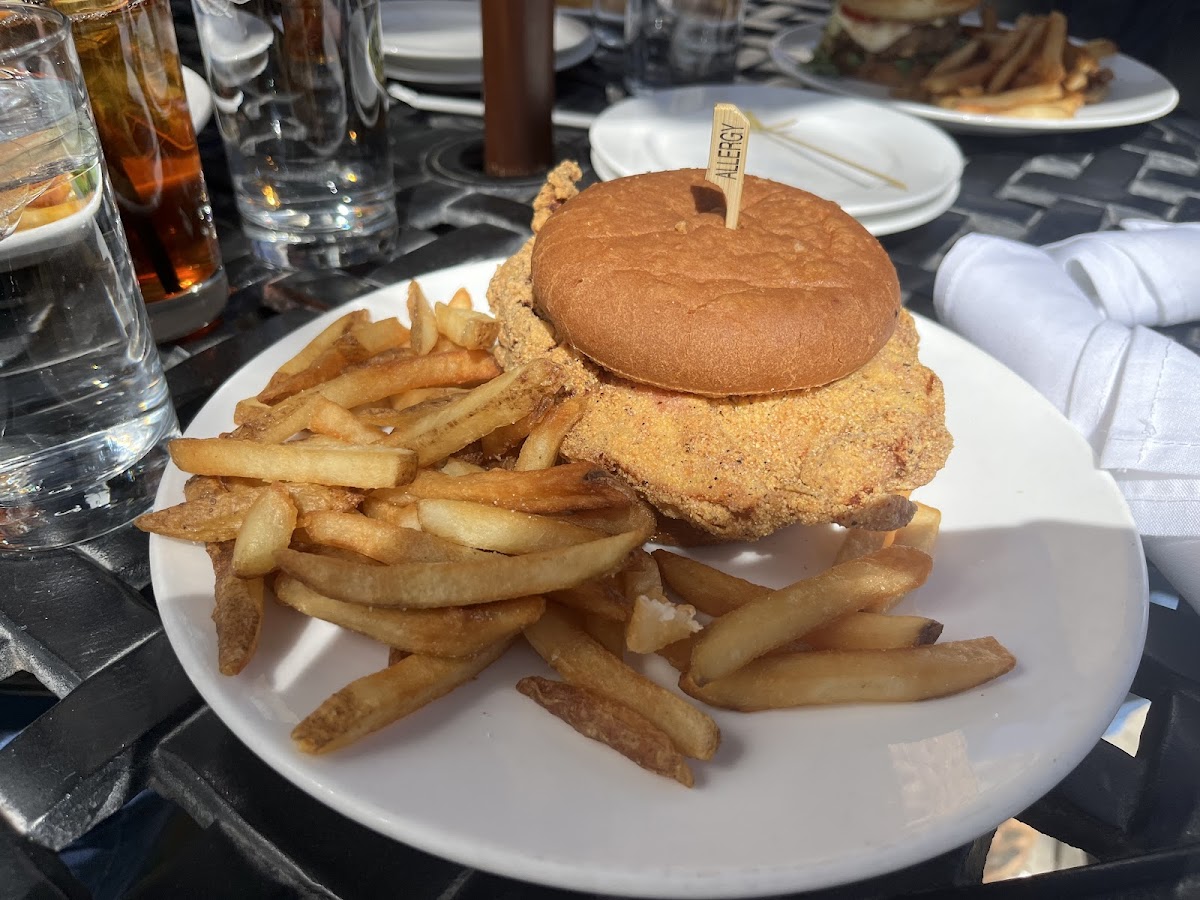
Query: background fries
(395, 483)
(1030, 70)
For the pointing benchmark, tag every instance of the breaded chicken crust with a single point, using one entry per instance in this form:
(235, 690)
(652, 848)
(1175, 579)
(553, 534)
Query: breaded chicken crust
(743, 467)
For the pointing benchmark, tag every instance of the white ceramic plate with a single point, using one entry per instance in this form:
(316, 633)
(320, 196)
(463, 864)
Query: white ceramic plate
(1137, 93)
(670, 130)
(878, 224)
(199, 98)
(1037, 548)
(442, 43)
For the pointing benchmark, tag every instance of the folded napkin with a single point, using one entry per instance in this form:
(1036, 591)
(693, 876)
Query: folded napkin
(1070, 318)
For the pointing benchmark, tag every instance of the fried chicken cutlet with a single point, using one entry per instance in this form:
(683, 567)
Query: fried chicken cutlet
(741, 467)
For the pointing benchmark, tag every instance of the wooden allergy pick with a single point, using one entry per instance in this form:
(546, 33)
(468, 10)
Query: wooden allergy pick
(727, 157)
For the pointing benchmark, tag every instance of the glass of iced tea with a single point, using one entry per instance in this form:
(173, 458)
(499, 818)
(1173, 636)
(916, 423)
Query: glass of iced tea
(130, 64)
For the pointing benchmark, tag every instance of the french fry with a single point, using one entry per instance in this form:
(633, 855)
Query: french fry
(466, 327)
(460, 368)
(857, 676)
(859, 542)
(921, 533)
(322, 342)
(382, 540)
(453, 631)
(874, 631)
(1100, 48)
(597, 597)
(250, 408)
(212, 518)
(771, 620)
(1054, 40)
(583, 662)
(424, 326)
(499, 441)
(463, 583)
(501, 401)
(461, 299)
(989, 20)
(374, 701)
(710, 590)
(606, 632)
(355, 467)
(540, 450)
(417, 396)
(494, 528)
(560, 489)
(402, 515)
(959, 58)
(237, 610)
(609, 722)
(356, 346)
(326, 417)
(948, 82)
(267, 527)
(1009, 67)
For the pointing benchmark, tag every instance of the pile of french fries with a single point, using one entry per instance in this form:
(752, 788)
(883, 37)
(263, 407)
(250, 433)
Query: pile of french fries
(1030, 70)
(394, 481)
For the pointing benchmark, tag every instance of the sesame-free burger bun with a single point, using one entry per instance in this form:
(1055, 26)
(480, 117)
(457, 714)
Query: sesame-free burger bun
(641, 275)
(910, 10)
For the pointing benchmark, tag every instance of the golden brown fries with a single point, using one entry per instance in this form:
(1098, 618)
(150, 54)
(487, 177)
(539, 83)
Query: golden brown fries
(857, 676)
(583, 662)
(771, 620)
(575, 486)
(495, 528)
(237, 611)
(394, 482)
(452, 631)
(468, 418)
(540, 450)
(463, 583)
(361, 467)
(465, 327)
(602, 719)
(379, 699)
(596, 597)
(267, 528)
(381, 540)
(1031, 70)
(424, 325)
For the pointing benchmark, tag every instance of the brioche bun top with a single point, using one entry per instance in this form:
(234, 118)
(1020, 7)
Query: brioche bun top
(910, 10)
(641, 275)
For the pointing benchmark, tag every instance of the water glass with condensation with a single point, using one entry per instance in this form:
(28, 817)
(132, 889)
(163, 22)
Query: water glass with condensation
(84, 411)
(677, 42)
(299, 95)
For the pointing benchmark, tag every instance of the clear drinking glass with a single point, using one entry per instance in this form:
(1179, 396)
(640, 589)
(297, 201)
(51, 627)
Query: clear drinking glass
(84, 410)
(299, 93)
(131, 67)
(677, 42)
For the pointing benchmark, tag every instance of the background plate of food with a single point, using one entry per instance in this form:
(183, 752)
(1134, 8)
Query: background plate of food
(1036, 548)
(976, 75)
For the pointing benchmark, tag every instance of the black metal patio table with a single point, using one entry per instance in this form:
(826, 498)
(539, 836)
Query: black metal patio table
(80, 623)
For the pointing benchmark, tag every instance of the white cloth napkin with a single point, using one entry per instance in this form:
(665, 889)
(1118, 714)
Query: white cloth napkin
(1070, 319)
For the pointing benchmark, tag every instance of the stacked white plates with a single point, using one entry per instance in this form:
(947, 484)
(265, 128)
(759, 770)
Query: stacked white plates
(442, 43)
(889, 170)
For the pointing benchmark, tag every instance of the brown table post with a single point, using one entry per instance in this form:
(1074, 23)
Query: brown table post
(518, 86)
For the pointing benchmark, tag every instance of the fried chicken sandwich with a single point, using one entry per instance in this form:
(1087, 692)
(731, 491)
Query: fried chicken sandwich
(740, 380)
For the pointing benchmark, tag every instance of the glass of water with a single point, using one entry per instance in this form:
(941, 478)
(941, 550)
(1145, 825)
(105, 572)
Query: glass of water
(677, 42)
(84, 410)
(299, 93)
